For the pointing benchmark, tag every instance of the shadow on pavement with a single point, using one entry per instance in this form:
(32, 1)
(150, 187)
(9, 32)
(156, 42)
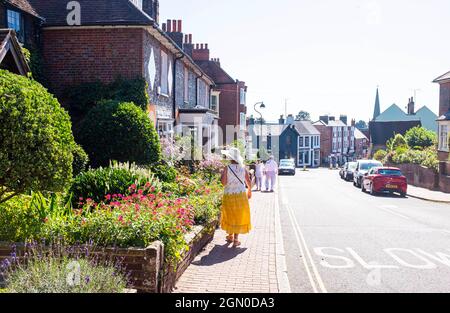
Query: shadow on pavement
(219, 254)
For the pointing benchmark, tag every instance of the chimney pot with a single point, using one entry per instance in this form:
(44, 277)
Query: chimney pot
(164, 27)
(190, 38)
(174, 26)
(186, 38)
(169, 26)
(180, 26)
(206, 46)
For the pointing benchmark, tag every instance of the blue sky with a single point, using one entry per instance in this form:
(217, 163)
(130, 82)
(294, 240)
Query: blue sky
(324, 56)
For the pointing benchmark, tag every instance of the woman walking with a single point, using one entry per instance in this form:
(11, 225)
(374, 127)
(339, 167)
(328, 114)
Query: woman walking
(259, 173)
(235, 206)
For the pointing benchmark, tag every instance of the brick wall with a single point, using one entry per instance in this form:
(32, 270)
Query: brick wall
(326, 142)
(74, 56)
(228, 109)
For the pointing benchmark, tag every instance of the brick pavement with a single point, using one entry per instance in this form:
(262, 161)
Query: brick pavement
(250, 268)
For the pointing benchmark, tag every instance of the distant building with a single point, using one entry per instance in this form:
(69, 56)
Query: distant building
(337, 140)
(444, 116)
(396, 121)
(289, 139)
(362, 144)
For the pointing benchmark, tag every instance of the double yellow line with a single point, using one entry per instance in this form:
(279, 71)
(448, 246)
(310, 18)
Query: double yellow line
(313, 274)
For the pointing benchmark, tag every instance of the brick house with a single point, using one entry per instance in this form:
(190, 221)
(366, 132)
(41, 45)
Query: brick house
(337, 139)
(444, 116)
(20, 16)
(121, 38)
(228, 96)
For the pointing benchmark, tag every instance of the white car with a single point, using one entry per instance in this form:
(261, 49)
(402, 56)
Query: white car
(286, 166)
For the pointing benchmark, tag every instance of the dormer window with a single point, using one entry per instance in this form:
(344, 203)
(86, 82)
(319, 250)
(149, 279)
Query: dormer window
(15, 21)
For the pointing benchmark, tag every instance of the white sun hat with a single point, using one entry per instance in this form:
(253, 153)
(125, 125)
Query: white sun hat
(234, 154)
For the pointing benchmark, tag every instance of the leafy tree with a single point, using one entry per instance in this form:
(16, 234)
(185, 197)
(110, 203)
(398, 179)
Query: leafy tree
(303, 116)
(380, 155)
(398, 142)
(36, 141)
(239, 144)
(80, 160)
(420, 138)
(121, 132)
(361, 125)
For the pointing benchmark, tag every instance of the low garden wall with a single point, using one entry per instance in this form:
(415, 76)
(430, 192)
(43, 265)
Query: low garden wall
(423, 177)
(148, 273)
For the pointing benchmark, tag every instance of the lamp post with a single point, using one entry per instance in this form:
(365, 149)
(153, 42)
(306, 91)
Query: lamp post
(261, 106)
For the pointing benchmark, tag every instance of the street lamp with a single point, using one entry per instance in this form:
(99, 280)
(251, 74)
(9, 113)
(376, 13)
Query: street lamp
(261, 106)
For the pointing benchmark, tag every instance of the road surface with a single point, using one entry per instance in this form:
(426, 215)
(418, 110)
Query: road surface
(338, 239)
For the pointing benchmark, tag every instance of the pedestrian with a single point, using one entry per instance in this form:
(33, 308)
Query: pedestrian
(259, 173)
(235, 217)
(271, 172)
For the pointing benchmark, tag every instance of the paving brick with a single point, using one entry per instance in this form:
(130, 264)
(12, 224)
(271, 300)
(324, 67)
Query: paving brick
(250, 268)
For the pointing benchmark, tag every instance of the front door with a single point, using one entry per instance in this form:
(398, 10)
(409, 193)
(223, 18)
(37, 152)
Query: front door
(304, 158)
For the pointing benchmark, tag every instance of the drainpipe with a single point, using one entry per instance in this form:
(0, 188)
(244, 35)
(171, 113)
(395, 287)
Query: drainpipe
(174, 108)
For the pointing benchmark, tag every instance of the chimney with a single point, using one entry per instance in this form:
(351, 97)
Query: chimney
(188, 47)
(290, 119)
(325, 119)
(174, 30)
(411, 106)
(151, 7)
(332, 118)
(281, 120)
(344, 119)
(201, 52)
(353, 122)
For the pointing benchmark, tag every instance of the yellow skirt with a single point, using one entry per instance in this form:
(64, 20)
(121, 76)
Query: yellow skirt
(236, 214)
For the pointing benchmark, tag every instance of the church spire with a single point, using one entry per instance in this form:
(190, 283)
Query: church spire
(377, 110)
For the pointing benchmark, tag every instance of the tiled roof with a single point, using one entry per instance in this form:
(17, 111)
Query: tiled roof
(446, 76)
(359, 134)
(393, 114)
(24, 5)
(216, 72)
(306, 128)
(9, 36)
(93, 12)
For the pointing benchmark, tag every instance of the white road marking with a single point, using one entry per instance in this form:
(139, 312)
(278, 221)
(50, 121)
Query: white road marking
(301, 242)
(389, 209)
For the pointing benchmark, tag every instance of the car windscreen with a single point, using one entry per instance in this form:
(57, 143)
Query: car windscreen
(389, 172)
(352, 166)
(368, 166)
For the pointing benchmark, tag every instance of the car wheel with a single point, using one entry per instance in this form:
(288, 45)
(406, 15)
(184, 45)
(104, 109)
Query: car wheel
(363, 189)
(372, 192)
(402, 194)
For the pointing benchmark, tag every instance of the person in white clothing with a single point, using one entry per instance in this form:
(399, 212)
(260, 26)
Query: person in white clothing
(259, 173)
(271, 172)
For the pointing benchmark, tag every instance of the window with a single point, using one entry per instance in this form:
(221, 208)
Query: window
(165, 129)
(186, 85)
(301, 141)
(164, 73)
(443, 138)
(306, 141)
(243, 121)
(243, 96)
(15, 21)
(214, 101)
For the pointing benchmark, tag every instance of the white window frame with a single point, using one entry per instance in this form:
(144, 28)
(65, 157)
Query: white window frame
(164, 83)
(443, 137)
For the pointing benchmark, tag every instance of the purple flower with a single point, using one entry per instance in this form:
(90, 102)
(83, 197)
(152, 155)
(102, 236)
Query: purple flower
(87, 279)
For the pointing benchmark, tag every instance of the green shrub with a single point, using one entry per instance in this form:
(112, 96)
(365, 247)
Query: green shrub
(420, 138)
(121, 132)
(86, 96)
(18, 221)
(95, 184)
(398, 142)
(80, 160)
(165, 173)
(380, 155)
(46, 272)
(36, 138)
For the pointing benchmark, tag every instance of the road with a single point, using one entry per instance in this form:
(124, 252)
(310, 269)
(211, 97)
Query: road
(338, 239)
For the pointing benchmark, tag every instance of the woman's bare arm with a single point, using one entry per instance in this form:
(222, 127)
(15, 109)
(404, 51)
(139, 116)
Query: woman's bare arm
(224, 178)
(248, 180)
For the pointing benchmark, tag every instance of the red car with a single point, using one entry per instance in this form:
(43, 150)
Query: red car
(385, 180)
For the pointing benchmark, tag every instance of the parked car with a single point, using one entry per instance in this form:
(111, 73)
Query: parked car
(286, 166)
(348, 170)
(362, 168)
(385, 180)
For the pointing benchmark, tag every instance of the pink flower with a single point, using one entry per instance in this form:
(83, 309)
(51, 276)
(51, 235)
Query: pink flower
(108, 197)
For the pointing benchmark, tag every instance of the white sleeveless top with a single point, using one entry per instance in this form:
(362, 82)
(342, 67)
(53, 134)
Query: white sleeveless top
(234, 186)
